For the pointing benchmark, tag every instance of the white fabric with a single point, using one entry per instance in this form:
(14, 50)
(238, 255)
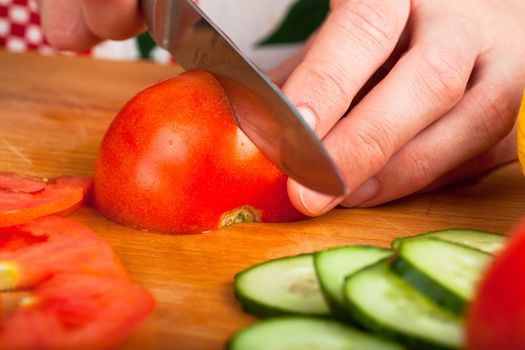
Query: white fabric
(244, 21)
(248, 21)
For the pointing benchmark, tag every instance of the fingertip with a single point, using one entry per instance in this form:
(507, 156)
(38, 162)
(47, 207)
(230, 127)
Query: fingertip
(64, 27)
(114, 20)
(309, 117)
(309, 202)
(70, 42)
(363, 194)
(295, 197)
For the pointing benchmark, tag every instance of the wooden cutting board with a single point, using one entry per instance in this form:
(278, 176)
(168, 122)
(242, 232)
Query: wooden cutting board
(53, 113)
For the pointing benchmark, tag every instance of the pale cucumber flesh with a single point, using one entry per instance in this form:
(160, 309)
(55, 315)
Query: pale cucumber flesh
(281, 286)
(334, 265)
(446, 272)
(302, 333)
(488, 242)
(384, 303)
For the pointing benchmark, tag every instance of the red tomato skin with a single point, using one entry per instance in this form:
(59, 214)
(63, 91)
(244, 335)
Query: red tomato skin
(49, 246)
(496, 318)
(22, 200)
(174, 161)
(17, 183)
(76, 311)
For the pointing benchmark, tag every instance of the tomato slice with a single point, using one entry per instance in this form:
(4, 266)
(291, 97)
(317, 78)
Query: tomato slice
(49, 246)
(17, 183)
(75, 311)
(496, 318)
(24, 199)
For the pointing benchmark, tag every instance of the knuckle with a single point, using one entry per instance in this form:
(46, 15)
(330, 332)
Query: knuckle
(328, 80)
(420, 169)
(460, 22)
(444, 72)
(500, 109)
(369, 21)
(372, 145)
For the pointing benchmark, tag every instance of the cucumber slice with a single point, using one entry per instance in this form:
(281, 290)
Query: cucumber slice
(383, 302)
(280, 287)
(305, 333)
(333, 265)
(444, 271)
(488, 242)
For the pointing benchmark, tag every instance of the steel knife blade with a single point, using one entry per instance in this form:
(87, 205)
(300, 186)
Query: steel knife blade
(183, 29)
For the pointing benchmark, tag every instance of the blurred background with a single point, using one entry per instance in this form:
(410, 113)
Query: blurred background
(246, 22)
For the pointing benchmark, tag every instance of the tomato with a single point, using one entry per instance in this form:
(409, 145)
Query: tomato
(49, 246)
(496, 319)
(23, 199)
(173, 160)
(75, 311)
(71, 290)
(16, 183)
(520, 126)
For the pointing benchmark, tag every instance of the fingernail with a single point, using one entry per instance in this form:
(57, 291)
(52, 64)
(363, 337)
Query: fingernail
(363, 193)
(316, 203)
(308, 116)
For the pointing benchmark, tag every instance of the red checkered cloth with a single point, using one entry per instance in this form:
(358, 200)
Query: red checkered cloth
(20, 27)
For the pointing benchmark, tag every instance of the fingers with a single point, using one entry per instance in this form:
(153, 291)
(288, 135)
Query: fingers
(503, 153)
(454, 147)
(425, 84)
(79, 25)
(64, 26)
(355, 40)
(116, 19)
(282, 71)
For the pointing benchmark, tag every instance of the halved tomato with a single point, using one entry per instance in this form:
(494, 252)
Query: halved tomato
(174, 160)
(75, 311)
(49, 246)
(24, 199)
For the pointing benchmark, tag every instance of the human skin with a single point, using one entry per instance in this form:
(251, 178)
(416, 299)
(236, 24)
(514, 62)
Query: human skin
(434, 87)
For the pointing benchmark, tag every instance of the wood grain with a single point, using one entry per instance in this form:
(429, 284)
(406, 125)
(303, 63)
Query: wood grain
(53, 113)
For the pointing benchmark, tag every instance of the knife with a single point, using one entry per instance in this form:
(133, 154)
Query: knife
(182, 28)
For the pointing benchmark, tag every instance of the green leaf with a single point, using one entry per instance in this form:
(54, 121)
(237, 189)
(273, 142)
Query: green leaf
(303, 18)
(146, 45)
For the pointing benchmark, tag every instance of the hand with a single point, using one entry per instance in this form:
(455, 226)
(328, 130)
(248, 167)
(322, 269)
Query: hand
(80, 24)
(434, 87)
